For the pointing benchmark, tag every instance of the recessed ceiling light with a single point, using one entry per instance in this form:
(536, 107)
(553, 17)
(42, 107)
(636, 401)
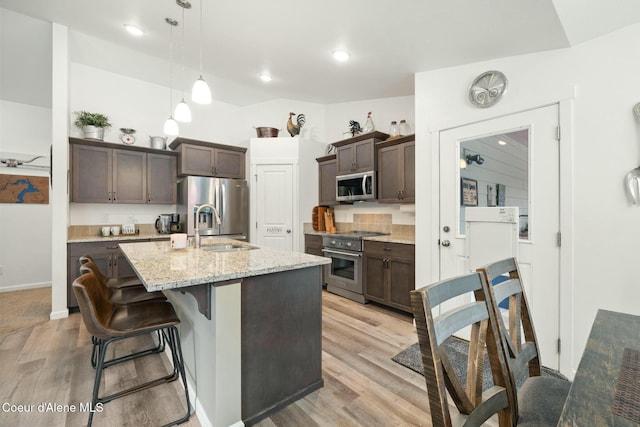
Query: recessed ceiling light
(340, 55)
(133, 30)
(265, 77)
(501, 142)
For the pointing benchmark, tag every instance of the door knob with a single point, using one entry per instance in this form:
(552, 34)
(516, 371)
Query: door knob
(445, 243)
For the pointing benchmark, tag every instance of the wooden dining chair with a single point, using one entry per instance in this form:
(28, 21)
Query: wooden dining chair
(474, 405)
(540, 399)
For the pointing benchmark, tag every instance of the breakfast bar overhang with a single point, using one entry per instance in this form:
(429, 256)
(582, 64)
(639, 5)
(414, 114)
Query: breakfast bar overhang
(251, 323)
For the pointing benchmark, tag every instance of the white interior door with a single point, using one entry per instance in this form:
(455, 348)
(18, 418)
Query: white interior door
(508, 161)
(274, 206)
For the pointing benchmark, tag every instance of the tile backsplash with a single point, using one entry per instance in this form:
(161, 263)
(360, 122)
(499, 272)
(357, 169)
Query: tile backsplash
(376, 222)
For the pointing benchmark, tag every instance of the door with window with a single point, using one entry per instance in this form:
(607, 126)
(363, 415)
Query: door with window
(508, 161)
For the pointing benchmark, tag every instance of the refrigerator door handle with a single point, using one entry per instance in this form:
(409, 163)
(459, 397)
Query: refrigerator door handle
(223, 195)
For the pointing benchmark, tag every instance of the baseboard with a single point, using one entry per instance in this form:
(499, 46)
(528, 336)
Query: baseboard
(25, 286)
(60, 314)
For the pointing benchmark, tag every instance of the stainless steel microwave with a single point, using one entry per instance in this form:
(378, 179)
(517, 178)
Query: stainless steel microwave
(356, 186)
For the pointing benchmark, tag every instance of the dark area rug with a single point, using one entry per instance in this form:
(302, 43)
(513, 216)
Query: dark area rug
(457, 350)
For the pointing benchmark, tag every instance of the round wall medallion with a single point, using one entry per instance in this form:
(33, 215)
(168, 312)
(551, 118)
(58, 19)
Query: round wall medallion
(487, 89)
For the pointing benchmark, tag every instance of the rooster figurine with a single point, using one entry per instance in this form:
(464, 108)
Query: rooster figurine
(295, 129)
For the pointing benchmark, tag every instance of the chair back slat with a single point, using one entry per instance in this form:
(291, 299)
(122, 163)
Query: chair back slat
(504, 290)
(519, 334)
(440, 377)
(459, 318)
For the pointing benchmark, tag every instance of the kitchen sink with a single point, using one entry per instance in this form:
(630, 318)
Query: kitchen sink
(227, 247)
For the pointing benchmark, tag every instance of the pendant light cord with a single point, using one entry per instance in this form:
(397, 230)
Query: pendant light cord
(170, 69)
(182, 73)
(200, 38)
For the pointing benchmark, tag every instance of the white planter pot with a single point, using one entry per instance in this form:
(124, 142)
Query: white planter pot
(92, 132)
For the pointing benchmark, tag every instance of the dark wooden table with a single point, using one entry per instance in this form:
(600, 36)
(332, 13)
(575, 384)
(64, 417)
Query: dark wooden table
(606, 388)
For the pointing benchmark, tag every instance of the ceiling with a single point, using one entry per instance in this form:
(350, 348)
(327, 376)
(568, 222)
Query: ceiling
(389, 41)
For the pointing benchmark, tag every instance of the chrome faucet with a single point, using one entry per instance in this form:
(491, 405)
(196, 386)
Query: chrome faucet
(196, 230)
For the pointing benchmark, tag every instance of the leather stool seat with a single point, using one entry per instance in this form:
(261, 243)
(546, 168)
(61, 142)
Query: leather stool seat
(112, 282)
(122, 295)
(109, 322)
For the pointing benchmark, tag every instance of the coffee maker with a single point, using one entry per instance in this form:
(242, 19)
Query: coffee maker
(168, 223)
(174, 224)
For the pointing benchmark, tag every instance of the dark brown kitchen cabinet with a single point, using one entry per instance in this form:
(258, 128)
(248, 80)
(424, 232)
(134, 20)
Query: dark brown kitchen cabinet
(327, 168)
(129, 177)
(91, 174)
(111, 173)
(313, 244)
(105, 175)
(161, 179)
(389, 273)
(107, 256)
(396, 171)
(203, 158)
(358, 154)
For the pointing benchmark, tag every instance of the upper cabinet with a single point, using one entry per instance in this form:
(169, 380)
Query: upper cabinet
(112, 173)
(327, 180)
(203, 158)
(396, 170)
(161, 179)
(358, 154)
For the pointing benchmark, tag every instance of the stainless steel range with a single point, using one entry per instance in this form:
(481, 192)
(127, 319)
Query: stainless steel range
(344, 276)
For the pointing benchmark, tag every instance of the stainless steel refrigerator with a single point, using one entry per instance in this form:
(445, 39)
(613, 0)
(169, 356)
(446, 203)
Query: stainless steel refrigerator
(229, 196)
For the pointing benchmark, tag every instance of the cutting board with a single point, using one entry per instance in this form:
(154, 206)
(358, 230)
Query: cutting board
(329, 224)
(318, 220)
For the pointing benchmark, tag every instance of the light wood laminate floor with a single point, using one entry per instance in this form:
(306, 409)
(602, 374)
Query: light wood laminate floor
(49, 363)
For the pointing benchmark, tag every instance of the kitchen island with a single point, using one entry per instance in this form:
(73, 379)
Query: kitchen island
(251, 323)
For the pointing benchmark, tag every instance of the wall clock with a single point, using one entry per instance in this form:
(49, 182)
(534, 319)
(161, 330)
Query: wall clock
(487, 89)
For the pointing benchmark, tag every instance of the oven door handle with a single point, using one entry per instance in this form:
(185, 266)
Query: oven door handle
(331, 251)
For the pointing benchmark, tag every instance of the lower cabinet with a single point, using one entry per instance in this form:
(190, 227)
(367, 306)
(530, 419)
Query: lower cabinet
(107, 256)
(313, 244)
(389, 273)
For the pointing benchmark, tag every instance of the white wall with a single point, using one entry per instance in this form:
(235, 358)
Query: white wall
(383, 111)
(599, 224)
(25, 132)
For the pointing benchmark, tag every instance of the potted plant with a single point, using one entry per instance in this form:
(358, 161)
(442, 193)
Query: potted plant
(92, 124)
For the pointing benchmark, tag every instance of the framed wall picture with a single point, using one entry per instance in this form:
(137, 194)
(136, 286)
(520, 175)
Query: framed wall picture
(469, 192)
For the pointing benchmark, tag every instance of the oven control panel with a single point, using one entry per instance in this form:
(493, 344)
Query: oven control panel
(347, 244)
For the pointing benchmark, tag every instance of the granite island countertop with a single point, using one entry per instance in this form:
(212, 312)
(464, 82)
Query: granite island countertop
(160, 267)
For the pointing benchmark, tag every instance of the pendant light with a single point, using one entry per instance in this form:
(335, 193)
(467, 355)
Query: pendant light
(182, 112)
(171, 126)
(200, 93)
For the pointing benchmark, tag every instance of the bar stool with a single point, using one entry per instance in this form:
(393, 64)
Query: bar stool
(111, 322)
(123, 296)
(112, 282)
